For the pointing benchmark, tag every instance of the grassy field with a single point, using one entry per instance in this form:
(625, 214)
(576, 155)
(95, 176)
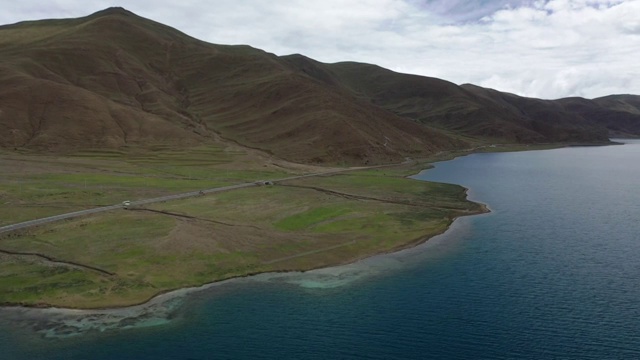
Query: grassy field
(127, 256)
(35, 186)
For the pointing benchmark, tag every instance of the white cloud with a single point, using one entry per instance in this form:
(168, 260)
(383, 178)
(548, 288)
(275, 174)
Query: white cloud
(540, 48)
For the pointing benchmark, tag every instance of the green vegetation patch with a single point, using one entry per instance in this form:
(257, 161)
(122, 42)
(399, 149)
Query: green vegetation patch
(126, 256)
(27, 282)
(105, 241)
(34, 186)
(311, 217)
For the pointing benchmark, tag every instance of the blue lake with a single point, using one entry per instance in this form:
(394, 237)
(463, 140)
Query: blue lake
(552, 273)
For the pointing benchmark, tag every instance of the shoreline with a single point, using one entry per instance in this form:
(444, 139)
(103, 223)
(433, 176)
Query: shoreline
(63, 322)
(426, 162)
(159, 307)
(185, 290)
(58, 322)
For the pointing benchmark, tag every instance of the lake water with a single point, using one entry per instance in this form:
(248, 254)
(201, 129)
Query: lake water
(552, 273)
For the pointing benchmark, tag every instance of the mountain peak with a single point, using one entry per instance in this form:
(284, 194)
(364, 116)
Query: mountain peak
(116, 10)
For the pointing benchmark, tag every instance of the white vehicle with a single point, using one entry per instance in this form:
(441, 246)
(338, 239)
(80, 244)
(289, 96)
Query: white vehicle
(126, 204)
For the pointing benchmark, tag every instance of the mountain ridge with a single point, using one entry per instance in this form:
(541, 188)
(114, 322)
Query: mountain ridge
(113, 79)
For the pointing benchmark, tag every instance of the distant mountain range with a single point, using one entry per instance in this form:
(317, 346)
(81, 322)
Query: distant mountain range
(113, 79)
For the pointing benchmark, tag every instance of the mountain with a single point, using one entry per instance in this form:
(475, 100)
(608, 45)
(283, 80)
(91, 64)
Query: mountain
(113, 79)
(469, 110)
(620, 114)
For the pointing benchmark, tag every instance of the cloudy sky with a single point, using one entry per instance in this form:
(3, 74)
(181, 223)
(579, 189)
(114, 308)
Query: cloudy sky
(539, 48)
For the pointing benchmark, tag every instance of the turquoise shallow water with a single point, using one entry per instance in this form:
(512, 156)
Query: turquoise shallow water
(552, 272)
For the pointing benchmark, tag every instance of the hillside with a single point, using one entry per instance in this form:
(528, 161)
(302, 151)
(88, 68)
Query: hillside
(115, 79)
(469, 110)
(618, 113)
(477, 113)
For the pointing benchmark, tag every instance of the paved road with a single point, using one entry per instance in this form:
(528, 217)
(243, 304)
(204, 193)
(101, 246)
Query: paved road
(56, 218)
(49, 219)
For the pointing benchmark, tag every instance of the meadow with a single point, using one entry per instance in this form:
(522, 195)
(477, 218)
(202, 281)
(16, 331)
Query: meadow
(127, 256)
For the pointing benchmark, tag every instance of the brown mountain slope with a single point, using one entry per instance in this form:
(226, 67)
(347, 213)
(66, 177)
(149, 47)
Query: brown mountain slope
(485, 114)
(435, 102)
(476, 112)
(94, 81)
(620, 114)
(114, 78)
(267, 104)
(626, 103)
(548, 118)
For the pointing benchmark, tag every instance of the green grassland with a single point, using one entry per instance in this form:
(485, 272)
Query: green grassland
(35, 186)
(125, 257)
